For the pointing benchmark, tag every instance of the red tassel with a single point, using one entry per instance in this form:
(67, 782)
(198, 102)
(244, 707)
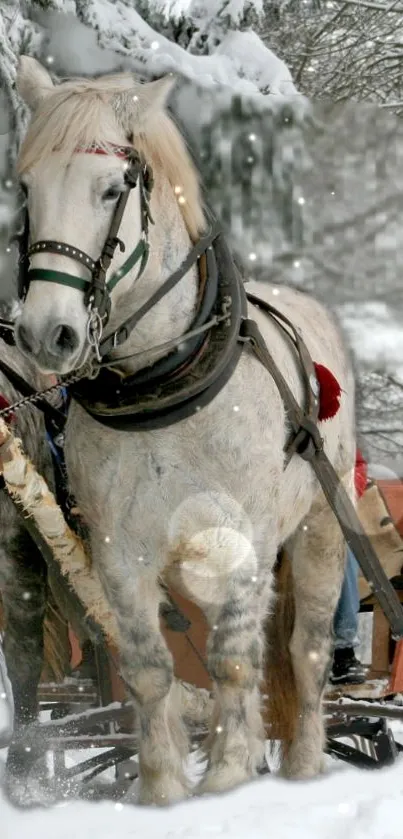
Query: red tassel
(4, 404)
(329, 392)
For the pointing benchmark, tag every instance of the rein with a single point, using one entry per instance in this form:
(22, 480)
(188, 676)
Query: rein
(123, 332)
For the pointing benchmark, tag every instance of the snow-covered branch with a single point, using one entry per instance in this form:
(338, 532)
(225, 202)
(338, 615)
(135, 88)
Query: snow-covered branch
(216, 52)
(343, 49)
(395, 7)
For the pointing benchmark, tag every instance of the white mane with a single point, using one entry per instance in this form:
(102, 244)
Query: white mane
(79, 113)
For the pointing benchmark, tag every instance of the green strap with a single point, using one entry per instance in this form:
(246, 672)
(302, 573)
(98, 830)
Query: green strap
(141, 251)
(59, 277)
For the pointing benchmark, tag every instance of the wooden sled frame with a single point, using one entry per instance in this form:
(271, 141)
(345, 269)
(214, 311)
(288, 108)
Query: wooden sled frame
(379, 510)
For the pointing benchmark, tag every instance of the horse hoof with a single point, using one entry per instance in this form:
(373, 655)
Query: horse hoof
(160, 794)
(28, 792)
(297, 771)
(222, 778)
(26, 781)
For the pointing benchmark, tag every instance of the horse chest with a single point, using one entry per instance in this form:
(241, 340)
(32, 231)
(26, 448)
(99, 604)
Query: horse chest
(163, 487)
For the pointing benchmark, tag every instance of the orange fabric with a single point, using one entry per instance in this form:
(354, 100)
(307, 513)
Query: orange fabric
(392, 491)
(396, 679)
(360, 473)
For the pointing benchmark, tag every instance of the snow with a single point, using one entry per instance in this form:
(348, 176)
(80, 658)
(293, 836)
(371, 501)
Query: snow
(174, 9)
(74, 47)
(344, 802)
(246, 55)
(376, 336)
(240, 62)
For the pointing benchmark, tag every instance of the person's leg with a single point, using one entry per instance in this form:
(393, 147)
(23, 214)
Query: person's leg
(346, 667)
(346, 617)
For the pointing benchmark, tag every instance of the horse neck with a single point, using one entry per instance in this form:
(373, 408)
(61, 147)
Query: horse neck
(169, 244)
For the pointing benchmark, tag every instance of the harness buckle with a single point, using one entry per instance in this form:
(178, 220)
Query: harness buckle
(109, 250)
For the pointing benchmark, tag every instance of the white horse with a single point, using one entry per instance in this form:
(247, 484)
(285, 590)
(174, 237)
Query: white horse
(205, 503)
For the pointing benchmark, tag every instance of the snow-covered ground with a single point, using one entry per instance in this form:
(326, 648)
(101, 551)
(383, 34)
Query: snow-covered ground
(346, 802)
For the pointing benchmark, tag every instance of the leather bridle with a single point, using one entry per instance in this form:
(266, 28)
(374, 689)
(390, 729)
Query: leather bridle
(96, 287)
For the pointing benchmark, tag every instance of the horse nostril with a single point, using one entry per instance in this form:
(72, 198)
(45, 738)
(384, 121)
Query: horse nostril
(25, 338)
(64, 339)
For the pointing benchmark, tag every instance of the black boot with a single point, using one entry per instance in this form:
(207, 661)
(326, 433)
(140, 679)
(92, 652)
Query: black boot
(87, 669)
(347, 669)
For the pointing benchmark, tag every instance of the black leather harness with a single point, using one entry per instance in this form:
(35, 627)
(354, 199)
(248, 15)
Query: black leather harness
(186, 380)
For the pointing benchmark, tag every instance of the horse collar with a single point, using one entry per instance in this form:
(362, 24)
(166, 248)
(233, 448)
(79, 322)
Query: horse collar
(187, 379)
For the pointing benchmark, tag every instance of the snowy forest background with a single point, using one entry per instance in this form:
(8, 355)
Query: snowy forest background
(293, 109)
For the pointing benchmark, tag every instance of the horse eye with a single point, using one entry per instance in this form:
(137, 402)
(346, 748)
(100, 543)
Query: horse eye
(112, 193)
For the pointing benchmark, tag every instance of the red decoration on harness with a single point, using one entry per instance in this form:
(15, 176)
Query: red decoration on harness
(329, 392)
(5, 404)
(111, 148)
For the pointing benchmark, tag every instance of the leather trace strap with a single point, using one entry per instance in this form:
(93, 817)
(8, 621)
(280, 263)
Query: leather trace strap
(310, 448)
(301, 437)
(358, 541)
(308, 369)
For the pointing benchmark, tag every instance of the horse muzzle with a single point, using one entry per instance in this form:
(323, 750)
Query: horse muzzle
(54, 348)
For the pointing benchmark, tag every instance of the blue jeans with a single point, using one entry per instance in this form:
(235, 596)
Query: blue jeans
(345, 625)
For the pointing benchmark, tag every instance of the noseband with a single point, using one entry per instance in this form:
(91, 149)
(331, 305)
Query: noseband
(96, 287)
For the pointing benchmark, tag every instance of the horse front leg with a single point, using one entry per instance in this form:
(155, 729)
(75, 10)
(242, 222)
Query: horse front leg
(235, 650)
(147, 668)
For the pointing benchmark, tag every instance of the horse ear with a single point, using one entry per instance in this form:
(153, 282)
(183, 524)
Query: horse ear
(135, 108)
(33, 81)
